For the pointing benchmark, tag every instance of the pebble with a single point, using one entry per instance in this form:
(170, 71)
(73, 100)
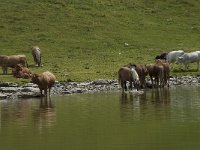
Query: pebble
(29, 90)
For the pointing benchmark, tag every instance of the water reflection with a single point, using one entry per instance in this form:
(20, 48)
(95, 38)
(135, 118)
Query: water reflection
(160, 96)
(45, 115)
(151, 102)
(27, 112)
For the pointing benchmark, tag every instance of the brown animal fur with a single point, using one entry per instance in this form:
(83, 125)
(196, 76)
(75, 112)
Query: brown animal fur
(21, 72)
(142, 73)
(156, 71)
(44, 81)
(36, 53)
(166, 70)
(12, 61)
(124, 74)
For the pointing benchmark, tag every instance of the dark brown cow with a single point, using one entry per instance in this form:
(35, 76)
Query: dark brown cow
(162, 56)
(156, 71)
(166, 70)
(142, 73)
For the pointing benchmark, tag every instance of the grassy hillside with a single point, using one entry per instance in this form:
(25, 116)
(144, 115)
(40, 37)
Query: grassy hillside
(85, 39)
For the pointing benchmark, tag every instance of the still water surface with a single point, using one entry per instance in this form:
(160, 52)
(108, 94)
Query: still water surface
(158, 119)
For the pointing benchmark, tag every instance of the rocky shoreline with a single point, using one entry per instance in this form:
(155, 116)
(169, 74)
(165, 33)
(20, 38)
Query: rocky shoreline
(13, 91)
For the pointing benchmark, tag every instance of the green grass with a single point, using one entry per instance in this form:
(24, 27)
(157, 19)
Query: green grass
(84, 39)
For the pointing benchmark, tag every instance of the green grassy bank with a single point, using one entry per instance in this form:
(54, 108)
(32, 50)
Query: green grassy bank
(85, 39)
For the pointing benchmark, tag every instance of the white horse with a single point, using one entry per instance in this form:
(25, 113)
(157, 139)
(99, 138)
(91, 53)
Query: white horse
(135, 77)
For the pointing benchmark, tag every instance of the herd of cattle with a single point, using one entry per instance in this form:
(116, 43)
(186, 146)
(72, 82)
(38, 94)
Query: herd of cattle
(20, 69)
(158, 72)
(136, 74)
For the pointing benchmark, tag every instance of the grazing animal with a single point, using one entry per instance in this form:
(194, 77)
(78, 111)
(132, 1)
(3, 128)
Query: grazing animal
(156, 71)
(12, 61)
(166, 71)
(44, 81)
(136, 80)
(187, 58)
(37, 56)
(162, 56)
(126, 74)
(142, 72)
(21, 72)
(173, 56)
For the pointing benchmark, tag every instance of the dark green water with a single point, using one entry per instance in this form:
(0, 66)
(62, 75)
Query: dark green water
(156, 120)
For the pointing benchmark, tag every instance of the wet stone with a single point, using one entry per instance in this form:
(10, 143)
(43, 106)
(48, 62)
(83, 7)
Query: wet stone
(3, 96)
(8, 84)
(8, 89)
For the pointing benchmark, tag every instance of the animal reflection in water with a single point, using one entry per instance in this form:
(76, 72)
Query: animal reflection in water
(137, 106)
(154, 95)
(45, 115)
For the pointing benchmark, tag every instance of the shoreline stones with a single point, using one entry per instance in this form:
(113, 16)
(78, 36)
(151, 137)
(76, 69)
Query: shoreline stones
(13, 91)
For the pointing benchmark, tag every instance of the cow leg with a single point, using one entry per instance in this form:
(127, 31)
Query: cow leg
(3, 70)
(125, 87)
(122, 85)
(131, 85)
(151, 77)
(45, 92)
(156, 81)
(185, 67)
(49, 91)
(41, 92)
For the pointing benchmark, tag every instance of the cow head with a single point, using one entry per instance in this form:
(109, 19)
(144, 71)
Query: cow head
(34, 78)
(179, 60)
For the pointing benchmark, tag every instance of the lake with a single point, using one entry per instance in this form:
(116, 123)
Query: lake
(157, 119)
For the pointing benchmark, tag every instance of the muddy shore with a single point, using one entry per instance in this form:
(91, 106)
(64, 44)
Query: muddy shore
(13, 91)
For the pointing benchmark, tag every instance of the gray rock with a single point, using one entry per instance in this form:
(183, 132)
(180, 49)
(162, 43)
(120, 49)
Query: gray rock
(3, 96)
(30, 89)
(8, 89)
(8, 84)
(100, 82)
(66, 92)
(29, 94)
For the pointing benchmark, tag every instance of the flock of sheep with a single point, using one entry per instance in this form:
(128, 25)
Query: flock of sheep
(158, 72)
(20, 69)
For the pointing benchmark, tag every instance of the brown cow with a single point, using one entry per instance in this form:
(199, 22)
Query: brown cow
(21, 72)
(127, 74)
(12, 61)
(44, 81)
(156, 71)
(166, 70)
(142, 73)
(37, 56)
